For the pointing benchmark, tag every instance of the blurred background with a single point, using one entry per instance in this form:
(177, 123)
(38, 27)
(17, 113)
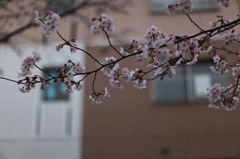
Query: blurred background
(169, 119)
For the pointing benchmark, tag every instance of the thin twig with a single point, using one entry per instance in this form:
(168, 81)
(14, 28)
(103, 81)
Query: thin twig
(224, 49)
(69, 44)
(42, 70)
(93, 83)
(193, 22)
(8, 79)
(110, 42)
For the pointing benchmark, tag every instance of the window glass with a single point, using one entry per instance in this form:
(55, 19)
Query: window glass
(201, 82)
(56, 91)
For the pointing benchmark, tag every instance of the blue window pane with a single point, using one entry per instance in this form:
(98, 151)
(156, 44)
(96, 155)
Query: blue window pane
(51, 93)
(56, 91)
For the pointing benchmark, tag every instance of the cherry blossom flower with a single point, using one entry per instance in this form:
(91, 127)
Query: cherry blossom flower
(29, 83)
(78, 68)
(142, 55)
(69, 75)
(188, 49)
(69, 82)
(171, 71)
(216, 59)
(229, 101)
(110, 70)
(158, 42)
(106, 23)
(231, 38)
(220, 65)
(36, 19)
(140, 83)
(59, 47)
(95, 30)
(125, 75)
(223, 96)
(236, 72)
(27, 88)
(158, 71)
(194, 61)
(67, 85)
(95, 99)
(45, 85)
(230, 104)
(123, 52)
(162, 56)
(49, 23)
(78, 86)
(106, 94)
(214, 95)
(151, 33)
(170, 9)
(28, 63)
(71, 43)
(115, 83)
(212, 25)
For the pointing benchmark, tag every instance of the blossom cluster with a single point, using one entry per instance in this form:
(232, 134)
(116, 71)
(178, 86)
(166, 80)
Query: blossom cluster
(106, 23)
(236, 72)
(118, 75)
(220, 65)
(162, 55)
(27, 64)
(159, 59)
(151, 33)
(28, 85)
(225, 96)
(94, 97)
(71, 43)
(49, 22)
(75, 69)
(231, 38)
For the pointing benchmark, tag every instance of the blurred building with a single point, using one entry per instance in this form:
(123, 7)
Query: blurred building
(40, 124)
(171, 118)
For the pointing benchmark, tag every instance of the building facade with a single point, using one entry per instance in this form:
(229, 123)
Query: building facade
(169, 119)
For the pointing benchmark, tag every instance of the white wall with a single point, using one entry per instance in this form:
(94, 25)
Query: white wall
(33, 128)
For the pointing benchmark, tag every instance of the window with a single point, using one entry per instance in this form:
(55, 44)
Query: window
(189, 84)
(56, 91)
(158, 6)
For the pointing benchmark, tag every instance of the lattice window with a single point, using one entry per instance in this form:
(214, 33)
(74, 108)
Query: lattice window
(158, 6)
(188, 86)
